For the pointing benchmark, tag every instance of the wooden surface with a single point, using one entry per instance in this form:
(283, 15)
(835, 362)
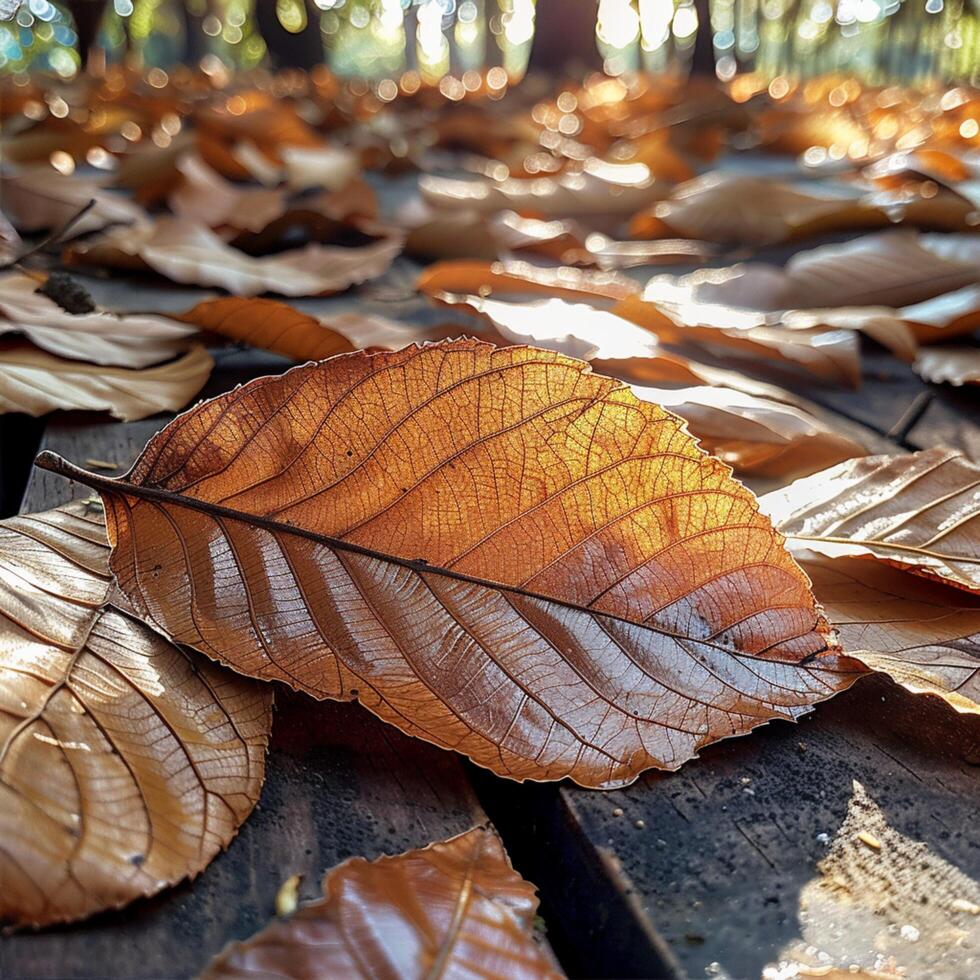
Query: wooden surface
(710, 881)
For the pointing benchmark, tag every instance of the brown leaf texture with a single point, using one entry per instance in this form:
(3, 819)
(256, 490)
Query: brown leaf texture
(454, 908)
(925, 636)
(493, 549)
(919, 512)
(265, 323)
(126, 764)
(949, 365)
(35, 382)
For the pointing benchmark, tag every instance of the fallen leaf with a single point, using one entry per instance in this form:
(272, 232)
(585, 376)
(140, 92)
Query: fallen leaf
(756, 436)
(268, 324)
(925, 636)
(893, 268)
(726, 207)
(190, 253)
(36, 382)
(896, 910)
(495, 550)
(455, 908)
(949, 365)
(126, 764)
(202, 195)
(917, 511)
(132, 340)
(44, 200)
(610, 195)
(330, 168)
(516, 278)
(832, 355)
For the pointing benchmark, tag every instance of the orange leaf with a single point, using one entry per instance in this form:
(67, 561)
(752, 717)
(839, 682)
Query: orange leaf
(268, 324)
(456, 908)
(493, 549)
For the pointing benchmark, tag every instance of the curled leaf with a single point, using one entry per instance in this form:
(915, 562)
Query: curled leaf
(187, 252)
(132, 340)
(126, 764)
(455, 908)
(919, 511)
(270, 325)
(495, 550)
(925, 636)
(35, 382)
(949, 365)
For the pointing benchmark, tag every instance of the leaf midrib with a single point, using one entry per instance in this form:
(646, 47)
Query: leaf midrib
(51, 461)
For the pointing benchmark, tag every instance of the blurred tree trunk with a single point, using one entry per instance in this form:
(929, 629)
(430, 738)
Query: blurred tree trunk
(703, 59)
(87, 15)
(564, 37)
(304, 49)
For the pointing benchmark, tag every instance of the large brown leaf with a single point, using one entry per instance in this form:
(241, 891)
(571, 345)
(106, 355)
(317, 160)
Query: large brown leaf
(126, 764)
(131, 340)
(456, 908)
(36, 382)
(919, 511)
(265, 323)
(188, 252)
(924, 635)
(493, 549)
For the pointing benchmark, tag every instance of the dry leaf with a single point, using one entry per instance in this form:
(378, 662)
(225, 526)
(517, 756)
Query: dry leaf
(894, 268)
(884, 907)
(950, 365)
(495, 550)
(830, 355)
(35, 382)
(270, 325)
(609, 194)
(452, 909)
(203, 195)
(126, 764)
(44, 200)
(756, 436)
(925, 636)
(132, 340)
(726, 207)
(516, 278)
(919, 512)
(190, 253)
(945, 316)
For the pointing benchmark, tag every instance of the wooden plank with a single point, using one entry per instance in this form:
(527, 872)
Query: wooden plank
(714, 873)
(951, 419)
(339, 783)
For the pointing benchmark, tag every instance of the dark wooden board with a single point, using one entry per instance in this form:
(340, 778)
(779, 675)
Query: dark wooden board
(339, 783)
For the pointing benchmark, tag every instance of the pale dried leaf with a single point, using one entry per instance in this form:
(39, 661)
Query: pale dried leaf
(949, 365)
(925, 636)
(36, 382)
(126, 764)
(132, 340)
(918, 511)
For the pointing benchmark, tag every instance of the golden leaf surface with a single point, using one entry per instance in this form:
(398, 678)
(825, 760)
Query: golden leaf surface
(925, 636)
(919, 511)
(268, 324)
(455, 908)
(126, 764)
(493, 549)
